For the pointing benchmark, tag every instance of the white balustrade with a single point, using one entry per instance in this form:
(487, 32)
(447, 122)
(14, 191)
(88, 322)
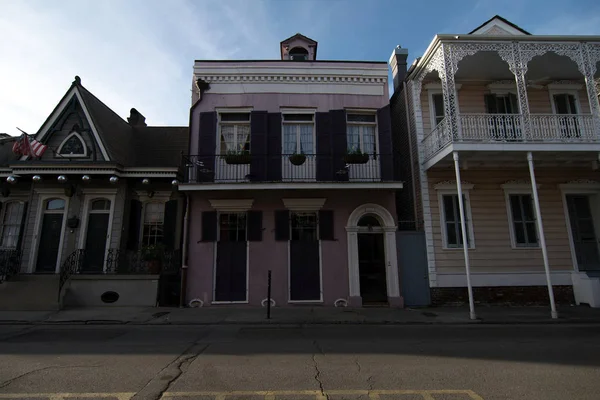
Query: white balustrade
(508, 128)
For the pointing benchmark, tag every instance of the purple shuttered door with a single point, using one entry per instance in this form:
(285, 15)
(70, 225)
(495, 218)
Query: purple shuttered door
(207, 145)
(258, 145)
(386, 159)
(324, 158)
(305, 277)
(339, 143)
(274, 147)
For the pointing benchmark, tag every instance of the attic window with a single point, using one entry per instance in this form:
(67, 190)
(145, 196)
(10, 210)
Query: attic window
(298, 54)
(73, 146)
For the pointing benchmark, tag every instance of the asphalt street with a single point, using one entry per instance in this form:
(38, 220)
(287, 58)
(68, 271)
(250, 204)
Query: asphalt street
(300, 362)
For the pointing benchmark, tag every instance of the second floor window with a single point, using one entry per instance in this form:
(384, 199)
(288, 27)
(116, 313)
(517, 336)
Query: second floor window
(437, 108)
(11, 224)
(234, 133)
(154, 220)
(502, 104)
(361, 132)
(298, 133)
(565, 104)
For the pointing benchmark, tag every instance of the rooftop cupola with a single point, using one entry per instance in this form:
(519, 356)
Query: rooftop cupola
(299, 48)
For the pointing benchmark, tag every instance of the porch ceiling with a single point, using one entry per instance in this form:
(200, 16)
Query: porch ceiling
(510, 159)
(488, 66)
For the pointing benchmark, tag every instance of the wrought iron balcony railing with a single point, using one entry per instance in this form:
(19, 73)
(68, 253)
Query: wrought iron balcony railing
(243, 168)
(510, 128)
(10, 263)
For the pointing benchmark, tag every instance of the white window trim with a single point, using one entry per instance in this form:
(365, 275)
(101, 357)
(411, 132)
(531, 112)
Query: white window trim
(214, 290)
(517, 189)
(220, 122)
(573, 92)
(361, 132)
(3, 213)
(43, 196)
(313, 123)
(143, 218)
(441, 192)
(85, 149)
(87, 201)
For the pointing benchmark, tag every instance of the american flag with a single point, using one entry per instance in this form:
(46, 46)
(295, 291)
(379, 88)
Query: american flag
(25, 146)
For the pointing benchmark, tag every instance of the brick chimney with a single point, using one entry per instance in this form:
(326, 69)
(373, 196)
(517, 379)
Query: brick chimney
(398, 65)
(136, 119)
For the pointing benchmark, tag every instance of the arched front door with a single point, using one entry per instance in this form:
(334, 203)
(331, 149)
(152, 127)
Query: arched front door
(372, 257)
(371, 261)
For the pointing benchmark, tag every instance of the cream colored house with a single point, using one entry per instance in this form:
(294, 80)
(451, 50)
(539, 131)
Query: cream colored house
(512, 120)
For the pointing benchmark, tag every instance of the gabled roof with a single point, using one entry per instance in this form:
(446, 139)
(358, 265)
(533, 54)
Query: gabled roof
(121, 142)
(498, 20)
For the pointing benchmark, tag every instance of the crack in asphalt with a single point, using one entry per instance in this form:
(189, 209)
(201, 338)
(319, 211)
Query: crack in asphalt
(357, 365)
(12, 380)
(370, 382)
(162, 381)
(317, 370)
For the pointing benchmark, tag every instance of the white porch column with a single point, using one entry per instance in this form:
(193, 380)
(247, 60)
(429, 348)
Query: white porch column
(540, 226)
(589, 65)
(519, 69)
(463, 231)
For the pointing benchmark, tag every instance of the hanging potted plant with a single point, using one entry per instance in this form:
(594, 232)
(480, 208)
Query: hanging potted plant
(297, 158)
(152, 255)
(237, 157)
(356, 156)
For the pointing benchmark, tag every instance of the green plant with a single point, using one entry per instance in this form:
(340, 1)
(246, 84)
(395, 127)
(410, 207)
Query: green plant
(297, 158)
(356, 156)
(153, 252)
(237, 157)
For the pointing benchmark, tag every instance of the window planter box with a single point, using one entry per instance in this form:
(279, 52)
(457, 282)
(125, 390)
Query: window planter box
(356, 158)
(297, 159)
(237, 159)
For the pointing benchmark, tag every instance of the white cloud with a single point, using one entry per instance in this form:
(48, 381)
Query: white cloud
(128, 53)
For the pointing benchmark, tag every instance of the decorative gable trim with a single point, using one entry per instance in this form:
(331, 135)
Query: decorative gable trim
(498, 26)
(518, 184)
(451, 185)
(85, 148)
(73, 92)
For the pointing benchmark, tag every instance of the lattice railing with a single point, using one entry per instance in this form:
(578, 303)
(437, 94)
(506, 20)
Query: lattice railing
(563, 128)
(437, 139)
(491, 127)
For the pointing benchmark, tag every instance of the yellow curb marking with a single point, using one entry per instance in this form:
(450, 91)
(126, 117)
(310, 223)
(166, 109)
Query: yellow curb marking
(267, 395)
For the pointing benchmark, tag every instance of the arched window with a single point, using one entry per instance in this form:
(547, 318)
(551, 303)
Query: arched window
(73, 146)
(369, 220)
(154, 220)
(55, 205)
(101, 205)
(298, 54)
(12, 218)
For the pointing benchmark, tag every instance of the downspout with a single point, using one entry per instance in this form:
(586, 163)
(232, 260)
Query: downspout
(184, 250)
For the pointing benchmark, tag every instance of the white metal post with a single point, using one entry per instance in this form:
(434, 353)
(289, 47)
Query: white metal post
(540, 226)
(463, 230)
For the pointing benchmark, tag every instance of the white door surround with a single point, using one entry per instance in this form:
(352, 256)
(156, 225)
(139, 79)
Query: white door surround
(391, 259)
(85, 216)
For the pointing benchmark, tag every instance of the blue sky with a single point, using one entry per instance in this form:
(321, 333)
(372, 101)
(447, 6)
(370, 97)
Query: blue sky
(140, 53)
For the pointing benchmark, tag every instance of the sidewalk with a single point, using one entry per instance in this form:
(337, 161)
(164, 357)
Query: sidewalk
(299, 316)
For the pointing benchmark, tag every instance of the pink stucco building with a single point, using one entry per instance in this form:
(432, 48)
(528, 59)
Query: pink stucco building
(290, 169)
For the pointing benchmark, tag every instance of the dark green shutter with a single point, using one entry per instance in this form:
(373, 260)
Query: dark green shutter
(170, 224)
(490, 104)
(282, 225)
(135, 221)
(209, 226)
(255, 227)
(23, 226)
(326, 228)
